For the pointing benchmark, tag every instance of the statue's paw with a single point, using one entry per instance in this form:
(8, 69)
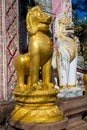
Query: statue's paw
(24, 87)
(48, 85)
(21, 87)
(36, 86)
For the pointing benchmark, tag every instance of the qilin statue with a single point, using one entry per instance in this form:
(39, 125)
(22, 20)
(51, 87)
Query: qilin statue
(35, 100)
(66, 51)
(39, 54)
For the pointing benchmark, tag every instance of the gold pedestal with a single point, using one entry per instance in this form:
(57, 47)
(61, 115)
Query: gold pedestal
(36, 106)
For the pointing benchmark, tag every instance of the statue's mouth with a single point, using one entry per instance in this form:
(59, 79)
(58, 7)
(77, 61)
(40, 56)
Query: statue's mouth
(45, 20)
(47, 23)
(70, 27)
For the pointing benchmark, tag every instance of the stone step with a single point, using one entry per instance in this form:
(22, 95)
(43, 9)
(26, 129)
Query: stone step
(71, 106)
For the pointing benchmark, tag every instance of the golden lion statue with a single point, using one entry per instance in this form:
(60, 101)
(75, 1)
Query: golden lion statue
(39, 52)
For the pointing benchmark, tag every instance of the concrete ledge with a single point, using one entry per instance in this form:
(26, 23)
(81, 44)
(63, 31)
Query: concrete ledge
(5, 109)
(71, 106)
(78, 125)
(39, 126)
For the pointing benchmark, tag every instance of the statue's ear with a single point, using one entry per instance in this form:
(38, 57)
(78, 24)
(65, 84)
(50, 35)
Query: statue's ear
(29, 10)
(29, 24)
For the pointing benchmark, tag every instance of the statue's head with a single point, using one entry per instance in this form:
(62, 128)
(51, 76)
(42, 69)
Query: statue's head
(63, 18)
(37, 19)
(63, 24)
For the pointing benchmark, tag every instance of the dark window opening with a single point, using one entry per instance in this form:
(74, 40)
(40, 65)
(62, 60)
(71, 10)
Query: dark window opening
(23, 35)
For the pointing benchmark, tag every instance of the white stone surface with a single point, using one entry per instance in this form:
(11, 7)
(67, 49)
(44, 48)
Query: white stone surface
(69, 92)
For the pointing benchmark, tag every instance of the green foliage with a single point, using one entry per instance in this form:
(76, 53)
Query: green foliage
(81, 32)
(80, 21)
(85, 18)
(78, 29)
(79, 11)
(83, 40)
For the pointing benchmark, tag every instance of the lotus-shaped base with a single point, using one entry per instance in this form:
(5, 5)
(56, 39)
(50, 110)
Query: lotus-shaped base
(36, 106)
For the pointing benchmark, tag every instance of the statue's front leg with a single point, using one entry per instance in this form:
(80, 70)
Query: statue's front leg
(46, 75)
(34, 69)
(72, 73)
(63, 62)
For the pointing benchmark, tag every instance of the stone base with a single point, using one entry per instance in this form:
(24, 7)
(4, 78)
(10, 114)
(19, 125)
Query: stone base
(76, 122)
(2, 127)
(13, 125)
(75, 109)
(5, 108)
(71, 106)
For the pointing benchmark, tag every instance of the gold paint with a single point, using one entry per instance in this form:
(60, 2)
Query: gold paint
(36, 96)
(68, 86)
(36, 106)
(36, 102)
(36, 114)
(64, 86)
(40, 52)
(85, 82)
(71, 86)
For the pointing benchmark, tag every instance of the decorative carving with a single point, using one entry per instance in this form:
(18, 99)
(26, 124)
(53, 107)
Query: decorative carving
(66, 51)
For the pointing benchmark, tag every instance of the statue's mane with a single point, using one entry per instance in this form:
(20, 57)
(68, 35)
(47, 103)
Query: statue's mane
(31, 23)
(59, 18)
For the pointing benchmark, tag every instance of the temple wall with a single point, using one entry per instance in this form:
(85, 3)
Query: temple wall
(3, 67)
(9, 45)
(59, 6)
(1, 50)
